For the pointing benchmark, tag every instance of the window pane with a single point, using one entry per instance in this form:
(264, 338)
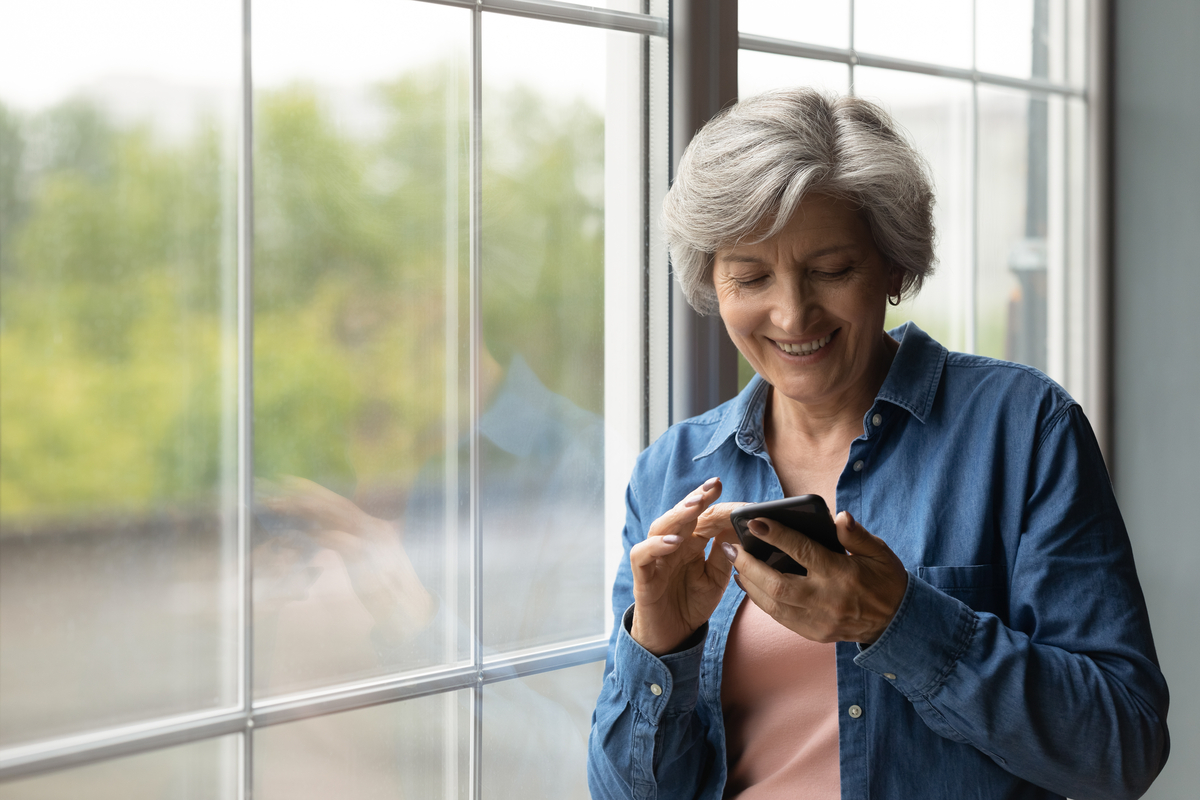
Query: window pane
(204, 770)
(414, 750)
(825, 22)
(535, 733)
(758, 72)
(542, 354)
(1029, 38)
(1022, 239)
(936, 113)
(360, 361)
(118, 358)
(934, 31)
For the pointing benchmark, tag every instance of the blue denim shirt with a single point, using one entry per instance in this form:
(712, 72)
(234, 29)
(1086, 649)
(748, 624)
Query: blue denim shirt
(1020, 663)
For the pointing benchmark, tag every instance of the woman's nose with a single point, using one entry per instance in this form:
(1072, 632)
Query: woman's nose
(793, 306)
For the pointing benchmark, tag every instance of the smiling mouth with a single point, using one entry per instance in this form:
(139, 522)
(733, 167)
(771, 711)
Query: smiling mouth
(807, 348)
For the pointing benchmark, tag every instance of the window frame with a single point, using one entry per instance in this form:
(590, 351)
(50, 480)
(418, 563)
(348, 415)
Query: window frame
(481, 670)
(685, 363)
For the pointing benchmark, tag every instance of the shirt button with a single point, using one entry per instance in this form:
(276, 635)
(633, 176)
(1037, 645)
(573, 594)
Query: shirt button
(891, 676)
(655, 689)
(877, 420)
(858, 465)
(854, 711)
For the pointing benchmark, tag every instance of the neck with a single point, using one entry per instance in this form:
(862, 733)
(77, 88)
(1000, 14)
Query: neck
(839, 416)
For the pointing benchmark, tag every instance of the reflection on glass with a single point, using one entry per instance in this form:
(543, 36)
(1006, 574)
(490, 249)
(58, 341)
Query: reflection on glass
(412, 750)
(360, 356)
(936, 113)
(1022, 239)
(535, 733)
(933, 31)
(824, 22)
(758, 72)
(117, 363)
(541, 433)
(204, 770)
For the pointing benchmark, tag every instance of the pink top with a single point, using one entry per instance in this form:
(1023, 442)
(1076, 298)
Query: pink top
(779, 695)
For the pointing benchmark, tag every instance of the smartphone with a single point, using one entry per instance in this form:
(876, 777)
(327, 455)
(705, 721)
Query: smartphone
(807, 514)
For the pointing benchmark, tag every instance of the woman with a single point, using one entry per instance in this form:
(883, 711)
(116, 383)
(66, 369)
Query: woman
(991, 641)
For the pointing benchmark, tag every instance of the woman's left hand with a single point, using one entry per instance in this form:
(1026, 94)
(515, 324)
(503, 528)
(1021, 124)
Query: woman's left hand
(843, 598)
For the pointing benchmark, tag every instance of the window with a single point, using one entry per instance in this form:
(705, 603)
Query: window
(993, 94)
(329, 335)
(322, 379)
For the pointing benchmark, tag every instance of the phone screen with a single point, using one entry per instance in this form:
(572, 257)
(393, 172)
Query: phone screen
(807, 514)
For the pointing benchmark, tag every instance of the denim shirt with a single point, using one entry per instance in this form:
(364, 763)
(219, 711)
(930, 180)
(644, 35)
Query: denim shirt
(1020, 662)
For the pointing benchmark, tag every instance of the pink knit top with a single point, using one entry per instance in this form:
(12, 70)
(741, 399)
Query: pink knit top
(779, 695)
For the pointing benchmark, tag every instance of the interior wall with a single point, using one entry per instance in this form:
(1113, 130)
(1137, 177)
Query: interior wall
(1156, 369)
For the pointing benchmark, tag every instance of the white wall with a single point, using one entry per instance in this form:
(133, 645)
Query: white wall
(1156, 446)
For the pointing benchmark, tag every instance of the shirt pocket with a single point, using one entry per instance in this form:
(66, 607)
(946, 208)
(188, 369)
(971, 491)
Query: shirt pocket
(980, 586)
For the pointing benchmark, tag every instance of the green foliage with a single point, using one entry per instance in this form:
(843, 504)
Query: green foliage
(118, 289)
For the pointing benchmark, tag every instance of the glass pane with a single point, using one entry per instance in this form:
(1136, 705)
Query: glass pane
(204, 770)
(936, 113)
(414, 750)
(825, 22)
(758, 72)
(360, 303)
(933, 31)
(1021, 235)
(542, 354)
(535, 733)
(118, 231)
(1029, 38)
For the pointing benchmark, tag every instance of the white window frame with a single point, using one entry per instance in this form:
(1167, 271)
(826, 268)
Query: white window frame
(653, 349)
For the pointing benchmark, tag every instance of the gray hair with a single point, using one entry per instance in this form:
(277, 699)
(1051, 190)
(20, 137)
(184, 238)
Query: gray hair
(747, 170)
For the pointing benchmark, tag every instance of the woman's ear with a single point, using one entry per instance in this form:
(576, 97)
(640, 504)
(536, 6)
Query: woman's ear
(895, 282)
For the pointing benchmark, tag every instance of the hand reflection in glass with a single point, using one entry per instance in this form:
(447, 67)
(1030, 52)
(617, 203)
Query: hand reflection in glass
(371, 549)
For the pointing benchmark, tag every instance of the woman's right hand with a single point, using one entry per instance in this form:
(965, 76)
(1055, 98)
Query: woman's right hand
(675, 588)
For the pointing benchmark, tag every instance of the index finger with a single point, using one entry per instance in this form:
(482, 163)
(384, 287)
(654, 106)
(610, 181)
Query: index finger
(714, 523)
(681, 518)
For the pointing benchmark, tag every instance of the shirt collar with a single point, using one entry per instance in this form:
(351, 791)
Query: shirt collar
(913, 378)
(911, 383)
(525, 417)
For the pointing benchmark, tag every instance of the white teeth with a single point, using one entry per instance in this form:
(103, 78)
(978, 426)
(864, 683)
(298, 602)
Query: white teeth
(805, 349)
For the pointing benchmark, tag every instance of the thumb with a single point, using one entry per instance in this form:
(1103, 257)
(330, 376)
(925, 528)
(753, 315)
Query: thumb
(856, 539)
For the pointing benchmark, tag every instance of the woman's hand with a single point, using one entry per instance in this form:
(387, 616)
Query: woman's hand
(843, 598)
(372, 550)
(675, 588)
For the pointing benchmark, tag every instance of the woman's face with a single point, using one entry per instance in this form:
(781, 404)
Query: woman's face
(806, 306)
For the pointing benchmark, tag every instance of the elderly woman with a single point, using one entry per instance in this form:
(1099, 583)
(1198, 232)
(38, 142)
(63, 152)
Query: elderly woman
(989, 639)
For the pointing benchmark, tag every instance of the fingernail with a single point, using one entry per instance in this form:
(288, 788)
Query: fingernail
(710, 483)
(693, 499)
(672, 538)
(758, 526)
(851, 520)
(730, 551)
(738, 581)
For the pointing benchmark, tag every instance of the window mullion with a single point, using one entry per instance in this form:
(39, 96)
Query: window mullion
(475, 160)
(245, 500)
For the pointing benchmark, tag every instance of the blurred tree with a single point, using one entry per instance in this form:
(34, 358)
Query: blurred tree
(117, 253)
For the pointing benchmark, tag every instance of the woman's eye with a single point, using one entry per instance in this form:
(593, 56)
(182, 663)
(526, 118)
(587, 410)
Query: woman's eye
(755, 281)
(832, 274)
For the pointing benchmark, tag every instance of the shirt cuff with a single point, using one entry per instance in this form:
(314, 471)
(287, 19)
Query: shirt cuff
(923, 643)
(658, 686)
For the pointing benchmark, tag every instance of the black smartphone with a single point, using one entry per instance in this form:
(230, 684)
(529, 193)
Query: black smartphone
(807, 514)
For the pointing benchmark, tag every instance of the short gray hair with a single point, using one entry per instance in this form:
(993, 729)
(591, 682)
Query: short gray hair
(747, 170)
